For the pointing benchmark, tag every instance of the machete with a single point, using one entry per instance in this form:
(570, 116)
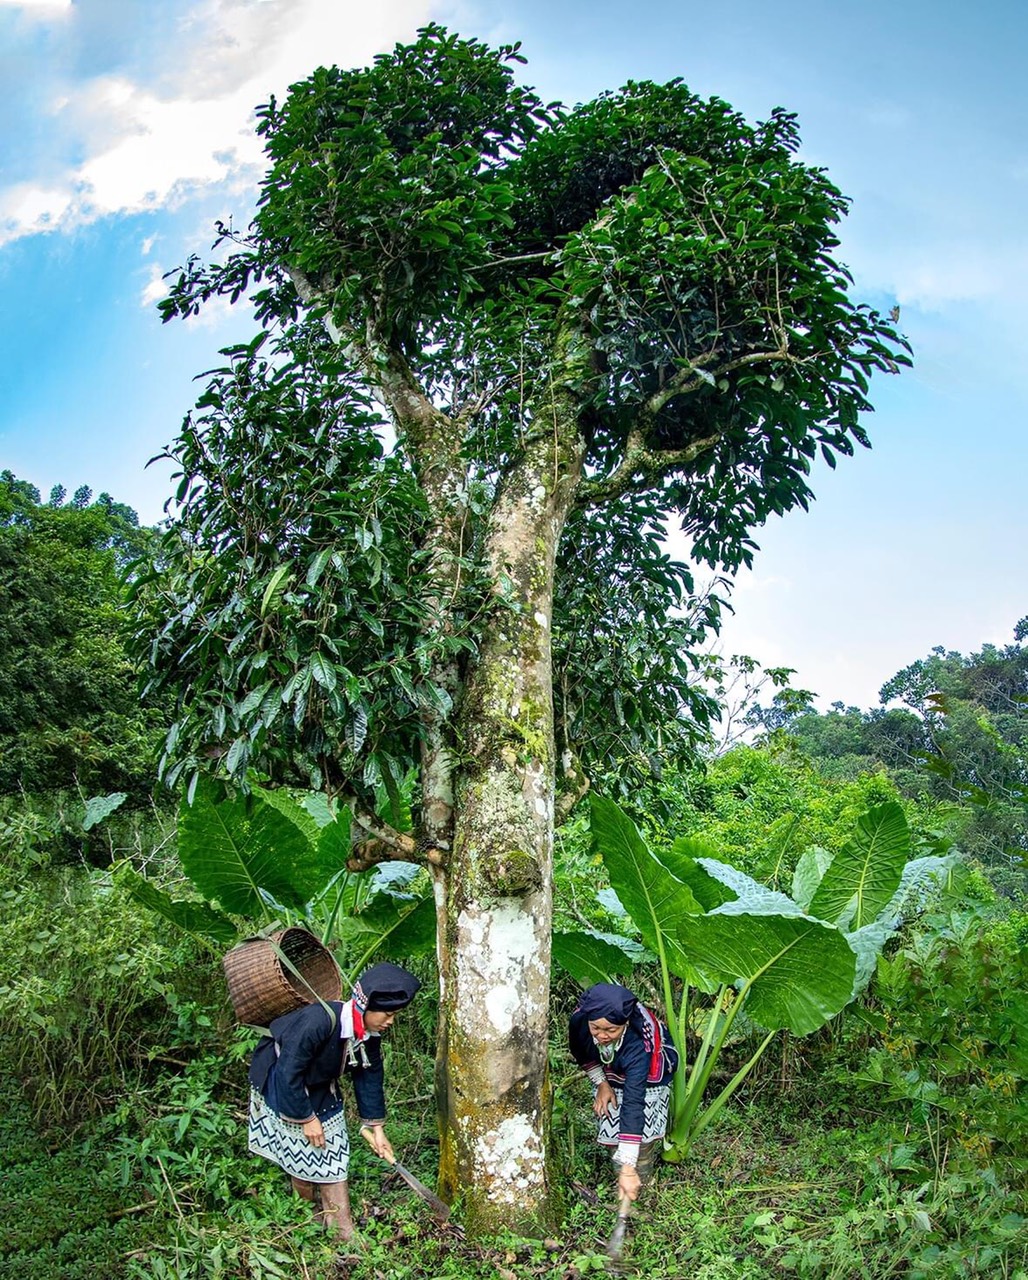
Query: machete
(617, 1236)
(440, 1210)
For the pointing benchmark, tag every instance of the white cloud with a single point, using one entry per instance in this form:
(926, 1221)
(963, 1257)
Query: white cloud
(153, 135)
(155, 288)
(26, 209)
(947, 272)
(39, 8)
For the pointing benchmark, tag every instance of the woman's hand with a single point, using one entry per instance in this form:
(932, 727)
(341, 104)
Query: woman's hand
(629, 1182)
(604, 1099)
(380, 1142)
(313, 1132)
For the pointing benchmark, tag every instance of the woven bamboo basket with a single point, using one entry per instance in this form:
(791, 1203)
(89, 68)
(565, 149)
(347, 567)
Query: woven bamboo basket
(261, 987)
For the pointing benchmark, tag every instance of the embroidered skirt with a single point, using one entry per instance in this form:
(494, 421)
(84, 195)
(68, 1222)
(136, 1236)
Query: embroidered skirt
(655, 1116)
(286, 1144)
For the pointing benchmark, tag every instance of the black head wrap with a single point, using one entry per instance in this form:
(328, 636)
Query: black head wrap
(608, 1001)
(384, 988)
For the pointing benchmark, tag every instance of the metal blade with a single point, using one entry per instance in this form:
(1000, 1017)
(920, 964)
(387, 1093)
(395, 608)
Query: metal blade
(439, 1208)
(617, 1236)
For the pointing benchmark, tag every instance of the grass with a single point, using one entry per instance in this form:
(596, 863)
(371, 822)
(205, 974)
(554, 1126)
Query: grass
(769, 1193)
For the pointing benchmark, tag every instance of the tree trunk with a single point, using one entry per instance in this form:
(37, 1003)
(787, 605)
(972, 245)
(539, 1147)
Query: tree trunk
(495, 951)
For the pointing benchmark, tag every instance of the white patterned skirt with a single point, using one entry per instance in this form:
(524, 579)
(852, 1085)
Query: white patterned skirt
(655, 1116)
(286, 1144)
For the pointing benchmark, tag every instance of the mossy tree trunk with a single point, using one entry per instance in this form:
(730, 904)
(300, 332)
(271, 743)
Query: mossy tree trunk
(496, 917)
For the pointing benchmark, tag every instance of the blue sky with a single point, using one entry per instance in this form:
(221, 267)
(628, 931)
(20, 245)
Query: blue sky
(126, 129)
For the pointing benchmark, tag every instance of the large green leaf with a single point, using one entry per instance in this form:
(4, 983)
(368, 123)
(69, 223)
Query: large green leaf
(100, 807)
(651, 895)
(683, 860)
(590, 958)
(397, 926)
(809, 873)
(194, 917)
(866, 872)
(921, 878)
(290, 808)
(744, 888)
(334, 844)
(233, 849)
(798, 971)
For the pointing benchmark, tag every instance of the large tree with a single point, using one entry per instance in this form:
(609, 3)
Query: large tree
(421, 515)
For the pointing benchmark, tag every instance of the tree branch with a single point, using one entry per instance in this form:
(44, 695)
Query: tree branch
(640, 468)
(404, 846)
(576, 785)
(520, 257)
(407, 401)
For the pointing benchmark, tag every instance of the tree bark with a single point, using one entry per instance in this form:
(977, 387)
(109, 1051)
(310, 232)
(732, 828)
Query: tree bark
(494, 950)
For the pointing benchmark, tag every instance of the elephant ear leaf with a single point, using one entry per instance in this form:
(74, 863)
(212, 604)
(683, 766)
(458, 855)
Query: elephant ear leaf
(793, 971)
(198, 918)
(391, 925)
(238, 850)
(922, 877)
(863, 876)
(654, 898)
(590, 958)
(809, 873)
(741, 887)
(684, 861)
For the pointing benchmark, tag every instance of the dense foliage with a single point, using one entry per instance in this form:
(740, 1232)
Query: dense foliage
(890, 1147)
(958, 742)
(69, 712)
(667, 263)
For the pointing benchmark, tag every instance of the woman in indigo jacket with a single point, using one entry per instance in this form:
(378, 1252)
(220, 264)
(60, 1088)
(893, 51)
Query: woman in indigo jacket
(296, 1111)
(628, 1055)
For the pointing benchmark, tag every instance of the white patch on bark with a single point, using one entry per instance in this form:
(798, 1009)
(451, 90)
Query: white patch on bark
(497, 952)
(511, 1158)
(542, 619)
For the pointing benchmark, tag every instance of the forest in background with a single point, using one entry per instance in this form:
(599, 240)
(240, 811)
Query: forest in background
(888, 1144)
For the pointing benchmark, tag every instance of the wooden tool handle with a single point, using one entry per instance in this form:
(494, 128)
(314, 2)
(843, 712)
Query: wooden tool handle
(369, 1138)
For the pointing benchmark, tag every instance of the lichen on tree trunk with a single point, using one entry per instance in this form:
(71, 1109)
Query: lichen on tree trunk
(495, 955)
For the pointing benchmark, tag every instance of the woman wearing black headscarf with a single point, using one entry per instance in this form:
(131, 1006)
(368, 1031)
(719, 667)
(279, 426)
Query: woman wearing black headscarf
(296, 1111)
(628, 1055)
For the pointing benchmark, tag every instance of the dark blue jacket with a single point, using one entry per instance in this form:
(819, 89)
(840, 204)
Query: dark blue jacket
(644, 1058)
(301, 1080)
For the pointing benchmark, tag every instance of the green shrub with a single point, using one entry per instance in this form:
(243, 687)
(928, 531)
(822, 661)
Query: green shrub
(90, 986)
(953, 1009)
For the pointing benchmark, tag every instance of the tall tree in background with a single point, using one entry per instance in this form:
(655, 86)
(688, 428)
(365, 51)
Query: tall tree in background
(501, 345)
(69, 711)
